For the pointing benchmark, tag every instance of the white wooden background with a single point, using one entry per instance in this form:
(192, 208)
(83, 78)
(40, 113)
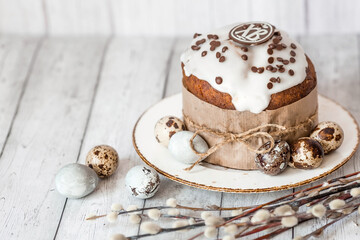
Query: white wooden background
(61, 96)
(173, 17)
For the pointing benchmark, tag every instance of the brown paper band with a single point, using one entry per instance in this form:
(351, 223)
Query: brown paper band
(298, 118)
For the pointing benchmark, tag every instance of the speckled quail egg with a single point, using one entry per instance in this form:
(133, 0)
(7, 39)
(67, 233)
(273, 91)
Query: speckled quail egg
(76, 180)
(166, 127)
(103, 160)
(329, 134)
(180, 148)
(142, 182)
(306, 153)
(276, 160)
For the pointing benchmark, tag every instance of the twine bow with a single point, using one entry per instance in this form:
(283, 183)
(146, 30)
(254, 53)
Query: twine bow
(229, 137)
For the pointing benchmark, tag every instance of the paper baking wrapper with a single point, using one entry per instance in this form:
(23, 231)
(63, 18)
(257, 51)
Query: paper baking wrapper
(236, 154)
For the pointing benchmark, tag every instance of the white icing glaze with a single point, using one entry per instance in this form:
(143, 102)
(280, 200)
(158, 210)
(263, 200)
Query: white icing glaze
(248, 90)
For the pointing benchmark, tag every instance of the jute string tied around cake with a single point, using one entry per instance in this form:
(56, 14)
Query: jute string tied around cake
(228, 137)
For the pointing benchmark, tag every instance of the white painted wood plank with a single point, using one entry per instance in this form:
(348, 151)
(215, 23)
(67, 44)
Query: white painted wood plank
(22, 17)
(133, 79)
(16, 55)
(73, 17)
(284, 14)
(46, 135)
(334, 17)
(185, 195)
(337, 64)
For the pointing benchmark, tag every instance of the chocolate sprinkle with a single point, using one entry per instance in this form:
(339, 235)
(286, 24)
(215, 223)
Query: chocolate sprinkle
(224, 49)
(269, 85)
(203, 54)
(196, 35)
(291, 72)
(270, 51)
(269, 67)
(292, 53)
(292, 60)
(195, 48)
(272, 46)
(279, 59)
(218, 80)
(222, 59)
(281, 69)
(260, 70)
(274, 80)
(245, 49)
(274, 70)
(218, 55)
(293, 46)
(200, 42)
(244, 57)
(270, 60)
(254, 69)
(276, 40)
(212, 36)
(279, 47)
(286, 62)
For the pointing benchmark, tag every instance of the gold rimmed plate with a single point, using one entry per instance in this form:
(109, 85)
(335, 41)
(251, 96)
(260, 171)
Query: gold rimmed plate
(217, 178)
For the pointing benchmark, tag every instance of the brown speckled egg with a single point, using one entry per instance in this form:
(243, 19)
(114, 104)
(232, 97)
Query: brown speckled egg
(103, 160)
(329, 134)
(166, 127)
(306, 153)
(275, 161)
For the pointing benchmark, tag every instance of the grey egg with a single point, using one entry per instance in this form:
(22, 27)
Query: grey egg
(306, 153)
(276, 160)
(142, 182)
(180, 148)
(166, 127)
(76, 180)
(329, 134)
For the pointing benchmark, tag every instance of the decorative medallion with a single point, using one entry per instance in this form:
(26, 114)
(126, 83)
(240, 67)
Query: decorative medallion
(252, 33)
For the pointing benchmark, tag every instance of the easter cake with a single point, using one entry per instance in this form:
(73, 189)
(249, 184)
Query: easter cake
(240, 78)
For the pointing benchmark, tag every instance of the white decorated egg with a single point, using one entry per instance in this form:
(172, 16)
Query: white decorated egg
(306, 153)
(179, 147)
(76, 180)
(166, 127)
(329, 134)
(142, 182)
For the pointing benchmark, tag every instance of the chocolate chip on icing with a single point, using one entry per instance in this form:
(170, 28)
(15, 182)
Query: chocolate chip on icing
(245, 49)
(196, 35)
(293, 46)
(272, 46)
(283, 45)
(218, 55)
(270, 51)
(224, 49)
(200, 42)
(218, 80)
(279, 59)
(274, 70)
(222, 59)
(244, 57)
(260, 70)
(277, 40)
(212, 36)
(269, 67)
(292, 53)
(203, 54)
(270, 60)
(279, 47)
(291, 72)
(269, 85)
(214, 45)
(285, 62)
(254, 69)
(292, 60)
(282, 69)
(195, 48)
(273, 79)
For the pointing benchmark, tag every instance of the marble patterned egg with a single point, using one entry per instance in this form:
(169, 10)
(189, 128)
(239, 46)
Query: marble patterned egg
(306, 153)
(76, 180)
(180, 148)
(166, 127)
(103, 160)
(329, 134)
(276, 160)
(142, 182)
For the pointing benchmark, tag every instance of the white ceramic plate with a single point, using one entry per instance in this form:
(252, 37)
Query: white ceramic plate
(211, 177)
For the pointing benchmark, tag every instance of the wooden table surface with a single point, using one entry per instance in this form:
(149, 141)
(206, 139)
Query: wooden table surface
(61, 96)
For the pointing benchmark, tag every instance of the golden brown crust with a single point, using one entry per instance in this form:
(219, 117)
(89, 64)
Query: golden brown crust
(203, 90)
